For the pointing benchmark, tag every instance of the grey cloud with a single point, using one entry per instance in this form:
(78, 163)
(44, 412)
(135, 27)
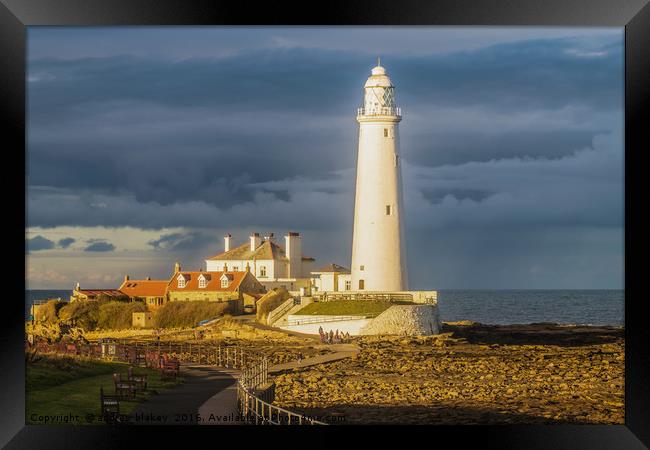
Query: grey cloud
(583, 189)
(202, 129)
(189, 241)
(99, 245)
(38, 243)
(66, 242)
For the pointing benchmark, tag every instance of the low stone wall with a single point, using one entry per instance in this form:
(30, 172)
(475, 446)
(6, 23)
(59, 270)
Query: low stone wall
(411, 320)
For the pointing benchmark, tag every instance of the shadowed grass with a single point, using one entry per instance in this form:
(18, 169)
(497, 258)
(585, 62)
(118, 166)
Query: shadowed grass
(66, 387)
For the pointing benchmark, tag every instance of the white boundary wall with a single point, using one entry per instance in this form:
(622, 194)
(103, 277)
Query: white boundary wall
(352, 326)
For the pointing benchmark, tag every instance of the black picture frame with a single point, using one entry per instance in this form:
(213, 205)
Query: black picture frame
(634, 15)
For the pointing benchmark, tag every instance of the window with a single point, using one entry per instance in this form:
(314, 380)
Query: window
(385, 132)
(388, 210)
(361, 285)
(235, 268)
(181, 282)
(361, 267)
(348, 285)
(262, 271)
(396, 159)
(202, 282)
(224, 282)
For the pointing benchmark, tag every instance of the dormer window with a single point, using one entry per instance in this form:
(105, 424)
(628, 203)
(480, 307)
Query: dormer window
(202, 281)
(225, 280)
(181, 281)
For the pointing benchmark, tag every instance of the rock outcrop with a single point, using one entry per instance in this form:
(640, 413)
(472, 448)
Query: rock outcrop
(409, 320)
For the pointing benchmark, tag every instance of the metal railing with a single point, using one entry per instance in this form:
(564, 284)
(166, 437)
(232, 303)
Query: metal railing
(318, 319)
(278, 312)
(421, 297)
(380, 111)
(252, 382)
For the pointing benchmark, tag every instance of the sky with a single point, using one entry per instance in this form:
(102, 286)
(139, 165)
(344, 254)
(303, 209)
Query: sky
(145, 145)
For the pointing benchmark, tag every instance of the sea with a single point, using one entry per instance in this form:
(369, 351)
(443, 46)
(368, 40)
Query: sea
(496, 307)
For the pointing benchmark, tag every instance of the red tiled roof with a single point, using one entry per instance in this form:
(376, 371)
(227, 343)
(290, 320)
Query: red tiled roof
(144, 288)
(213, 283)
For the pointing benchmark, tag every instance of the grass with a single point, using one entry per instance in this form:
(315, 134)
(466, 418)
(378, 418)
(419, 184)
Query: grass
(188, 314)
(348, 307)
(65, 390)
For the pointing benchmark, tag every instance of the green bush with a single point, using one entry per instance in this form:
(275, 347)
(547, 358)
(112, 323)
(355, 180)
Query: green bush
(188, 314)
(117, 315)
(84, 314)
(49, 312)
(270, 301)
(103, 298)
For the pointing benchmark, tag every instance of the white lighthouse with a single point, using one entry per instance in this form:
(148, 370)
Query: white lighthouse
(378, 257)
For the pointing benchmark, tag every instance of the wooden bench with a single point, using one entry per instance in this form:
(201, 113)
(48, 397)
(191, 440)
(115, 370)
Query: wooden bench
(110, 407)
(140, 358)
(170, 368)
(139, 380)
(124, 388)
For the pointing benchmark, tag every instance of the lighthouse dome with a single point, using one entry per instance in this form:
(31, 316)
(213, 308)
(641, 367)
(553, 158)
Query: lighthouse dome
(378, 78)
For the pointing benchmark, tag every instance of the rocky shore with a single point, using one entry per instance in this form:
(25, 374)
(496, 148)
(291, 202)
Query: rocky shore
(470, 374)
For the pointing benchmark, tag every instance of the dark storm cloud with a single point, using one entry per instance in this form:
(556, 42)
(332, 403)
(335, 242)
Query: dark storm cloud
(38, 243)
(202, 129)
(99, 245)
(194, 240)
(66, 242)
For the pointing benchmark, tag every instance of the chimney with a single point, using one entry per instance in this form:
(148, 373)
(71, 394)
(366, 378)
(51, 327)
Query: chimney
(268, 237)
(225, 267)
(77, 286)
(148, 278)
(256, 240)
(226, 242)
(126, 278)
(248, 267)
(177, 267)
(293, 252)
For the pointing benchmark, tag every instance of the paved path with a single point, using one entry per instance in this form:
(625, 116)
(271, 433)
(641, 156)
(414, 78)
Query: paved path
(339, 351)
(221, 408)
(180, 405)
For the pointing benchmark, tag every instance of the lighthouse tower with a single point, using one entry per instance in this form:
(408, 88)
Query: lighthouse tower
(378, 257)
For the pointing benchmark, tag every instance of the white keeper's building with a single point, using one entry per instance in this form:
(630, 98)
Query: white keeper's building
(273, 265)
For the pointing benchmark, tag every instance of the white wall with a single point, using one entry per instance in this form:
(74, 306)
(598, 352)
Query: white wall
(344, 326)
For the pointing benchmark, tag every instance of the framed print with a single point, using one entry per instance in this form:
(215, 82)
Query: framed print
(415, 215)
